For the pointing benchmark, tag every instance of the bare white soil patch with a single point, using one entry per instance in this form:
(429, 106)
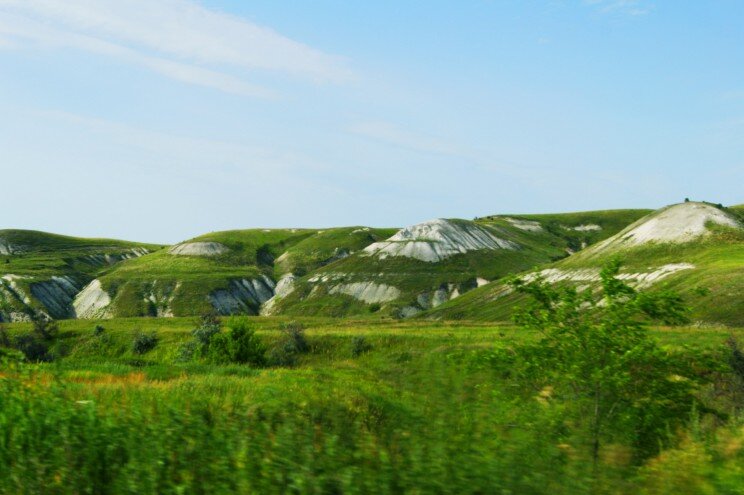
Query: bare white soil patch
(589, 227)
(528, 225)
(679, 223)
(92, 302)
(284, 287)
(638, 279)
(199, 249)
(369, 292)
(437, 240)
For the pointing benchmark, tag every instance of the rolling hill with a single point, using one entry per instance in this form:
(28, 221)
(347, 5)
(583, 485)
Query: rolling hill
(696, 249)
(42, 273)
(443, 269)
(231, 272)
(428, 264)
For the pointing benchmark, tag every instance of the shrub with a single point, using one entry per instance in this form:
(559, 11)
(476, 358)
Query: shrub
(295, 337)
(290, 346)
(239, 344)
(598, 357)
(209, 324)
(45, 328)
(359, 346)
(98, 330)
(144, 342)
(33, 347)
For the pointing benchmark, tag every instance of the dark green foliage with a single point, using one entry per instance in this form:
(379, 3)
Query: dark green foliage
(294, 333)
(597, 359)
(144, 342)
(4, 336)
(34, 348)
(209, 325)
(98, 330)
(359, 346)
(239, 344)
(45, 328)
(290, 346)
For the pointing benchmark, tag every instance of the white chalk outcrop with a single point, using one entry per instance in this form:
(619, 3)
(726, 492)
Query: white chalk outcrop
(92, 302)
(6, 248)
(369, 292)
(437, 240)
(198, 249)
(640, 280)
(242, 296)
(589, 227)
(112, 259)
(56, 295)
(284, 287)
(679, 223)
(528, 225)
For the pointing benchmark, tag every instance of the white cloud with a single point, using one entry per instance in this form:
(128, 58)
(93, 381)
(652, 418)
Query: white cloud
(176, 38)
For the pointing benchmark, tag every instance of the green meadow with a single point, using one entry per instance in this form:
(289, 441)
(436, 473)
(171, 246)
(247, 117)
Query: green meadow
(368, 407)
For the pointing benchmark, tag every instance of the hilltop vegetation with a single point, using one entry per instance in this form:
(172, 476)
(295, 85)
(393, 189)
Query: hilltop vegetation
(707, 268)
(445, 268)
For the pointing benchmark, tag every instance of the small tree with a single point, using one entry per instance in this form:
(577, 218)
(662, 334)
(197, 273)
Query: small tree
(597, 355)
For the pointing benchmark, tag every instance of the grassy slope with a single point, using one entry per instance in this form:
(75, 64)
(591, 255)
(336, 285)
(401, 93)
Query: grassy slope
(413, 277)
(713, 289)
(45, 255)
(189, 279)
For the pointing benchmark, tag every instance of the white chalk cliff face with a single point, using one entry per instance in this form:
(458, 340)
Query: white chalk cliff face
(92, 302)
(679, 223)
(437, 240)
(198, 249)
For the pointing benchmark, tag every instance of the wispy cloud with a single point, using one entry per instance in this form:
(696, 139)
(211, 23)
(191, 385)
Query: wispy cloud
(627, 7)
(176, 38)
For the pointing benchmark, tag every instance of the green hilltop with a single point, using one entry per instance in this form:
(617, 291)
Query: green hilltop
(442, 269)
(694, 249)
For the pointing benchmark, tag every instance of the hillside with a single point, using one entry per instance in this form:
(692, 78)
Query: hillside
(428, 264)
(231, 272)
(41, 272)
(693, 248)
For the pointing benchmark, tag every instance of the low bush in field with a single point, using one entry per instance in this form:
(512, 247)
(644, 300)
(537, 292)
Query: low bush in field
(359, 346)
(144, 342)
(290, 346)
(239, 344)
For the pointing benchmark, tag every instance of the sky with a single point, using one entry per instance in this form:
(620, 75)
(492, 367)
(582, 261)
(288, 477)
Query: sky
(160, 120)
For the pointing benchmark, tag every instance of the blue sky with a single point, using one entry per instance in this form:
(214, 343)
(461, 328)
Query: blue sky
(159, 120)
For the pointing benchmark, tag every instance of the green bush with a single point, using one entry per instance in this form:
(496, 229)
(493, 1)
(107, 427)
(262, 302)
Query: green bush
(33, 347)
(359, 346)
(292, 344)
(144, 342)
(239, 344)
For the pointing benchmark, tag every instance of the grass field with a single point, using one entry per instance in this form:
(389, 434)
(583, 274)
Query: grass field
(417, 407)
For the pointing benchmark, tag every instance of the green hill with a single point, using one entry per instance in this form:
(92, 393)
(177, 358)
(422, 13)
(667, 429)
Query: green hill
(232, 272)
(425, 265)
(693, 248)
(41, 272)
